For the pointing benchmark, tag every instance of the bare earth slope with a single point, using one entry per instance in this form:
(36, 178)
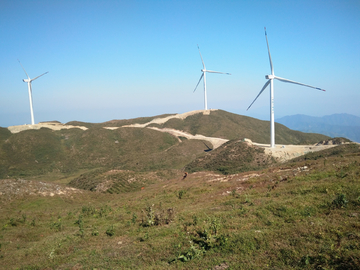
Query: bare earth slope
(286, 152)
(50, 125)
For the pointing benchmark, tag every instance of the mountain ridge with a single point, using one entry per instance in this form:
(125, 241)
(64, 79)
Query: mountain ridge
(335, 125)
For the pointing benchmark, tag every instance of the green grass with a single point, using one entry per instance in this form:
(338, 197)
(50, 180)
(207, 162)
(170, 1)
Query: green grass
(283, 219)
(43, 152)
(232, 157)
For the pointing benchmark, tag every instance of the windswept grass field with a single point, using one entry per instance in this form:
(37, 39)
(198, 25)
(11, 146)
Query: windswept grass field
(303, 214)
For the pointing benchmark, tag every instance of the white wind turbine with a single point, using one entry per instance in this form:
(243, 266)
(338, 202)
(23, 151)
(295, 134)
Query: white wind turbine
(270, 81)
(203, 75)
(28, 81)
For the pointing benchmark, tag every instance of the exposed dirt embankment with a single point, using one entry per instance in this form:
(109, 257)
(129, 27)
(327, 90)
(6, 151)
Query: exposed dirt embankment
(286, 152)
(216, 142)
(176, 116)
(51, 125)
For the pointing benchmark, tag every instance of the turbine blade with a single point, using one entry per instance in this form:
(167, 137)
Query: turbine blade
(211, 71)
(39, 76)
(266, 84)
(24, 69)
(289, 81)
(271, 64)
(202, 75)
(201, 57)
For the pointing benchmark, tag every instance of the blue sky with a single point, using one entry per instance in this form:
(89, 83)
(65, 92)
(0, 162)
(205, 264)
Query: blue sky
(125, 59)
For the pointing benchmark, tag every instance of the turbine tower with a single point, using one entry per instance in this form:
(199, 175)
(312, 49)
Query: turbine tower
(203, 76)
(28, 81)
(270, 79)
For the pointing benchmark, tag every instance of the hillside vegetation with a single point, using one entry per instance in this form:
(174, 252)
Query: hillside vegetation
(303, 214)
(65, 152)
(44, 151)
(222, 124)
(232, 157)
(120, 199)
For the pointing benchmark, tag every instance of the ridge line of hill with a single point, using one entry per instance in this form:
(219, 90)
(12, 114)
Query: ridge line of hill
(175, 126)
(58, 126)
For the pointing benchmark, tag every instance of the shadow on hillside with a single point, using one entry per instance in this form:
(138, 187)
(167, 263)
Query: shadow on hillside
(208, 148)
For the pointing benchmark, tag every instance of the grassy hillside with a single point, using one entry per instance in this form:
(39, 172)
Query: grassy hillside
(119, 181)
(44, 151)
(117, 199)
(35, 152)
(232, 157)
(231, 126)
(4, 135)
(304, 214)
(32, 151)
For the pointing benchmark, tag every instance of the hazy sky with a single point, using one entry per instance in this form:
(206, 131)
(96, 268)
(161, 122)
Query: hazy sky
(124, 59)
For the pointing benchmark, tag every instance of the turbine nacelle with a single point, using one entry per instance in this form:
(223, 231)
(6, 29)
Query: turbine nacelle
(26, 80)
(269, 77)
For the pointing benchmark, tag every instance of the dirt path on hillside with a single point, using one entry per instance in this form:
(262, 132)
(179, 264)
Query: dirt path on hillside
(181, 116)
(216, 142)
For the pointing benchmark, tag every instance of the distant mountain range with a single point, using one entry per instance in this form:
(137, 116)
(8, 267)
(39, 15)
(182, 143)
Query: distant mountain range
(335, 125)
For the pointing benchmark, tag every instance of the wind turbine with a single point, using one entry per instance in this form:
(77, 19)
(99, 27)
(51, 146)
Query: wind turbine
(203, 75)
(28, 81)
(270, 79)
